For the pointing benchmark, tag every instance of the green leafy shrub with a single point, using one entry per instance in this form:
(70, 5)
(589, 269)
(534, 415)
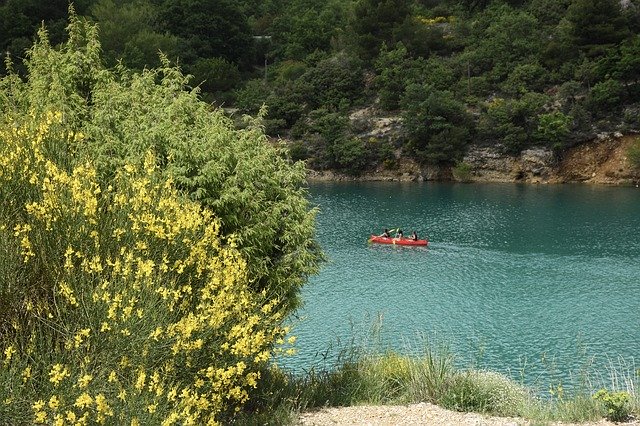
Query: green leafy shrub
(127, 34)
(525, 78)
(243, 179)
(633, 154)
(298, 150)
(349, 154)
(251, 97)
(484, 392)
(125, 305)
(302, 28)
(324, 130)
(290, 70)
(509, 37)
(605, 97)
(375, 22)
(438, 126)
(392, 68)
(512, 121)
(334, 83)
(616, 404)
(380, 151)
(553, 129)
(439, 72)
(330, 125)
(462, 172)
(287, 105)
(216, 75)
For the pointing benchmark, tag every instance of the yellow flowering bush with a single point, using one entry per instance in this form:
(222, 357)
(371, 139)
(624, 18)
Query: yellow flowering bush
(149, 251)
(123, 303)
(114, 117)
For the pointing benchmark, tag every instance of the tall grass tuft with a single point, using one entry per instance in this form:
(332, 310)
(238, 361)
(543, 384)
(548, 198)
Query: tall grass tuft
(485, 392)
(431, 375)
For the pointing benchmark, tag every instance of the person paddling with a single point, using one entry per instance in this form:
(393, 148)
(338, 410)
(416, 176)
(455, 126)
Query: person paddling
(414, 236)
(385, 234)
(399, 234)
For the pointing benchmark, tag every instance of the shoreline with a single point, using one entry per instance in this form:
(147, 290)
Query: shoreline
(596, 157)
(602, 161)
(314, 176)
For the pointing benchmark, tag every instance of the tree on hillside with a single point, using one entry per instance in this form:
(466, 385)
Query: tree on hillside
(548, 12)
(306, 26)
(335, 83)
(438, 126)
(208, 29)
(510, 36)
(393, 68)
(513, 122)
(475, 4)
(375, 22)
(596, 23)
(128, 33)
(20, 20)
(628, 67)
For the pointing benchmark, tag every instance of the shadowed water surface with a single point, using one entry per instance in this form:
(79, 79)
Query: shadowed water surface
(540, 280)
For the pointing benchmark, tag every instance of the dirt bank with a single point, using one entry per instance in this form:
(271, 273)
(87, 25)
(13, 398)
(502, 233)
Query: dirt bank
(416, 414)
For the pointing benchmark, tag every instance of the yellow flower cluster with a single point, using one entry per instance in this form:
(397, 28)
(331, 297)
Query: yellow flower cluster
(145, 315)
(58, 373)
(495, 102)
(435, 21)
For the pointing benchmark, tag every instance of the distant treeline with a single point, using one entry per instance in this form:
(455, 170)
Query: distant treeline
(515, 73)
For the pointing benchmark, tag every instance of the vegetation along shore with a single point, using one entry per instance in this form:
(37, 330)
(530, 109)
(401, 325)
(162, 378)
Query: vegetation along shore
(152, 246)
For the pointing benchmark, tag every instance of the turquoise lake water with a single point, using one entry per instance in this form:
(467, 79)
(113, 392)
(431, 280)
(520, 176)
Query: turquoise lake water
(537, 282)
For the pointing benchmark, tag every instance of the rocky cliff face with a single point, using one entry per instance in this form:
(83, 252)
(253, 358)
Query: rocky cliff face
(489, 164)
(600, 161)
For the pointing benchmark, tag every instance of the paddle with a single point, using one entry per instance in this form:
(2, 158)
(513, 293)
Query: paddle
(389, 231)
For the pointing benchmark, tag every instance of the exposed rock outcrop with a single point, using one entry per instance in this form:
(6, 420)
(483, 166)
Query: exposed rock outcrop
(602, 160)
(489, 164)
(370, 123)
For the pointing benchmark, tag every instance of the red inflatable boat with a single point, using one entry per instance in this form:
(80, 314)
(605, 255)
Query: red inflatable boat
(397, 241)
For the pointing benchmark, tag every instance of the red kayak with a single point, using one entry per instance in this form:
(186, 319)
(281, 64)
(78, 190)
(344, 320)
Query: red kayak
(397, 241)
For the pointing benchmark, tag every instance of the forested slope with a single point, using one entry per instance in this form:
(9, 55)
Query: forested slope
(506, 73)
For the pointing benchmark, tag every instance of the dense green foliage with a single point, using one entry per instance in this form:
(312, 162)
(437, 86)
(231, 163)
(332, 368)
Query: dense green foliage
(508, 73)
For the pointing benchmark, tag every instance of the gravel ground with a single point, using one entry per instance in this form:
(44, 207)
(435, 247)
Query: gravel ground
(415, 414)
